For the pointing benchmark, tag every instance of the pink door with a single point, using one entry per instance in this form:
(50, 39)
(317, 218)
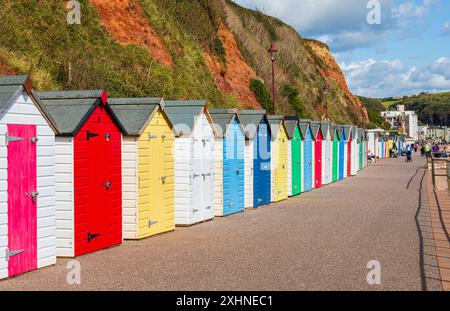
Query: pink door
(22, 199)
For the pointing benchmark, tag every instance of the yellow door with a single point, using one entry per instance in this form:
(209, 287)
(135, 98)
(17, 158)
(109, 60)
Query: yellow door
(156, 179)
(281, 186)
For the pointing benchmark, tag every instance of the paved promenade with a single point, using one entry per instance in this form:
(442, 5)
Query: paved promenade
(322, 240)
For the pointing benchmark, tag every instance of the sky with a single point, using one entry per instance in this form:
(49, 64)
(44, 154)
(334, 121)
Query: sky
(404, 50)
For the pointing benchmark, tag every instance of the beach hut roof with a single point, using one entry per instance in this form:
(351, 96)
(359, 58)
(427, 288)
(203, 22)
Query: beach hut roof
(12, 86)
(291, 123)
(347, 129)
(249, 118)
(71, 109)
(334, 131)
(135, 113)
(276, 122)
(326, 128)
(221, 119)
(315, 128)
(183, 114)
(304, 126)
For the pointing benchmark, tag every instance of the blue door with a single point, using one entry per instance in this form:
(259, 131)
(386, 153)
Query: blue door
(233, 170)
(261, 166)
(341, 155)
(308, 150)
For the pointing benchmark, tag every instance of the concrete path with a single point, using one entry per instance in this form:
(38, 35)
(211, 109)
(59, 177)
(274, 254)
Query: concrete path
(322, 240)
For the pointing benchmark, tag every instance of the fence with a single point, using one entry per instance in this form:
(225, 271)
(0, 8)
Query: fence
(440, 170)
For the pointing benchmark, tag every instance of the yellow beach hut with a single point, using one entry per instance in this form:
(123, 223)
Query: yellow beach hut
(148, 167)
(279, 158)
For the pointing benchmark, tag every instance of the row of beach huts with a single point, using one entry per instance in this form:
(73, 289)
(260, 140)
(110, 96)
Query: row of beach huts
(81, 172)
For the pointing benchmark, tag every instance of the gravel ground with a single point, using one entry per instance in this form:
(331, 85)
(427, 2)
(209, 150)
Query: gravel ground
(322, 240)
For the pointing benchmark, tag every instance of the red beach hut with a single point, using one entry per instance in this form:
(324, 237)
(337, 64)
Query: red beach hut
(88, 171)
(318, 138)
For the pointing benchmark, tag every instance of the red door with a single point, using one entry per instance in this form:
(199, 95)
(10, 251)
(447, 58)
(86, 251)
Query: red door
(22, 199)
(349, 156)
(98, 184)
(318, 155)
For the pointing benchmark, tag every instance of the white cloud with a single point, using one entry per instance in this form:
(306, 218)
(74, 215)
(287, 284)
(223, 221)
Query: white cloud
(410, 9)
(446, 29)
(342, 22)
(386, 78)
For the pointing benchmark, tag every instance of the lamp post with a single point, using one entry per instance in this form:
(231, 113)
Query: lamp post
(272, 50)
(326, 91)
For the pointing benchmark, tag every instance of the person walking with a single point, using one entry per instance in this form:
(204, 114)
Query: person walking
(409, 150)
(427, 150)
(435, 150)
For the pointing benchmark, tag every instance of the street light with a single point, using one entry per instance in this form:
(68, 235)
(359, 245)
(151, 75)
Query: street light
(273, 50)
(326, 91)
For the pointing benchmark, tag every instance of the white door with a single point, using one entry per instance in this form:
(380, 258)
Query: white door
(208, 180)
(198, 205)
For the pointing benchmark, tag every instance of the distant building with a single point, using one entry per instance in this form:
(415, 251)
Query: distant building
(406, 122)
(437, 133)
(423, 131)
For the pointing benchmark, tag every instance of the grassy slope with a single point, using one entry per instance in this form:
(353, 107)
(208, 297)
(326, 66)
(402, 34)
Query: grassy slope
(36, 39)
(51, 50)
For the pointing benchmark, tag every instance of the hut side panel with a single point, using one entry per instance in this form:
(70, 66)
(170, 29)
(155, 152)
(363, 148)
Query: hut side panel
(218, 177)
(249, 171)
(64, 197)
(130, 187)
(184, 182)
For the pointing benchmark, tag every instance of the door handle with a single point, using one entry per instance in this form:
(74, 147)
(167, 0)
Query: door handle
(107, 185)
(163, 179)
(238, 170)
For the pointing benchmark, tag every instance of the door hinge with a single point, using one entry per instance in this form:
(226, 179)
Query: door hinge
(9, 139)
(195, 210)
(208, 207)
(90, 135)
(33, 196)
(107, 185)
(9, 254)
(152, 223)
(152, 136)
(92, 236)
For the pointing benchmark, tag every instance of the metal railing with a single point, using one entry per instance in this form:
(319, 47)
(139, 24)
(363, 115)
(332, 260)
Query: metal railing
(443, 165)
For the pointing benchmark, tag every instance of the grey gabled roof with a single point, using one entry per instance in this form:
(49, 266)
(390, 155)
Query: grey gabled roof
(326, 129)
(135, 113)
(355, 132)
(347, 129)
(315, 128)
(250, 120)
(222, 118)
(12, 86)
(70, 109)
(291, 123)
(304, 126)
(335, 131)
(275, 123)
(183, 113)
